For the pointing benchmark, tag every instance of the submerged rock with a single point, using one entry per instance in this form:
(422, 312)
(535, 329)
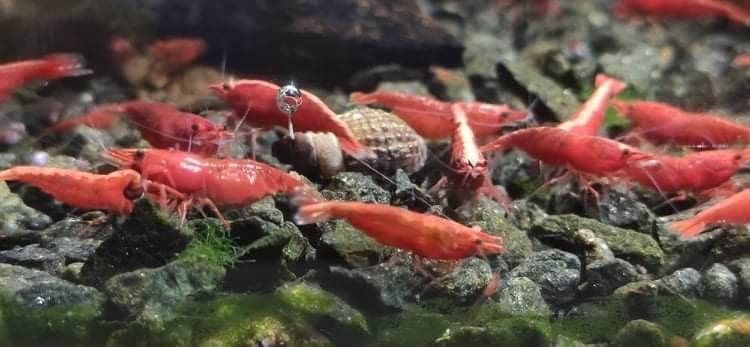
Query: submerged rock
(464, 283)
(510, 332)
(488, 215)
(632, 246)
(719, 283)
(34, 256)
(622, 210)
(352, 245)
(604, 276)
(557, 274)
(354, 186)
(38, 289)
(724, 333)
(685, 282)
(152, 294)
(148, 238)
(641, 333)
(331, 312)
(19, 224)
(521, 296)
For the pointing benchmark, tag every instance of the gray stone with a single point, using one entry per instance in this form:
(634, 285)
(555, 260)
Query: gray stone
(595, 249)
(741, 267)
(34, 256)
(38, 289)
(19, 224)
(488, 215)
(152, 294)
(556, 272)
(641, 333)
(687, 282)
(354, 186)
(465, 283)
(634, 247)
(72, 249)
(330, 311)
(521, 296)
(604, 276)
(622, 210)
(720, 283)
(356, 248)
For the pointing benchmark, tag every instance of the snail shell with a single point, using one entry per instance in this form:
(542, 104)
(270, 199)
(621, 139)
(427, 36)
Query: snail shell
(395, 143)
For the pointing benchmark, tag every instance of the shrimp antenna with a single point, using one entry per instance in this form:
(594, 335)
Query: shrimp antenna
(387, 179)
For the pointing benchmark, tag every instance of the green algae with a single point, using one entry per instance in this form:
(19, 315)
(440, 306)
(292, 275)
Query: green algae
(211, 244)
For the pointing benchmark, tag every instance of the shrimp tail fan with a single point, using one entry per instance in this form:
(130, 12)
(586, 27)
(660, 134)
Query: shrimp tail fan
(688, 228)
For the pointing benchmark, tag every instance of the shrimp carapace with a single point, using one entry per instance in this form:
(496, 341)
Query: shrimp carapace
(53, 66)
(433, 119)
(113, 192)
(425, 235)
(588, 119)
(255, 102)
(733, 210)
(661, 123)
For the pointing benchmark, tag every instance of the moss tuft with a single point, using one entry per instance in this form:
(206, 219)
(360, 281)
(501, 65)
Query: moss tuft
(211, 244)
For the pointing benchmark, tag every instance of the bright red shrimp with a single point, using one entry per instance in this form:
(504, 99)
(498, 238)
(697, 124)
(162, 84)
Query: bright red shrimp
(686, 9)
(177, 53)
(53, 66)
(433, 119)
(113, 192)
(207, 181)
(255, 102)
(425, 235)
(733, 210)
(742, 60)
(697, 172)
(162, 125)
(585, 154)
(589, 118)
(469, 174)
(665, 124)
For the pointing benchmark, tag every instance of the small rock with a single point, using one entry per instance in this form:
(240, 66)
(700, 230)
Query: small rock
(604, 276)
(719, 283)
(35, 257)
(641, 333)
(595, 249)
(521, 296)
(488, 215)
(742, 268)
(152, 294)
(409, 194)
(464, 283)
(352, 245)
(724, 333)
(332, 313)
(148, 238)
(639, 298)
(72, 249)
(556, 272)
(38, 289)
(622, 210)
(509, 332)
(19, 222)
(379, 288)
(354, 186)
(687, 282)
(634, 247)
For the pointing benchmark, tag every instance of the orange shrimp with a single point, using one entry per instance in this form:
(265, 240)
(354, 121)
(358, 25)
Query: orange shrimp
(162, 125)
(425, 235)
(433, 119)
(698, 172)
(255, 100)
(687, 9)
(733, 210)
(469, 173)
(177, 53)
(665, 124)
(53, 66)
(742, 60)
(113, 192)
(589, 118)
(207, 181)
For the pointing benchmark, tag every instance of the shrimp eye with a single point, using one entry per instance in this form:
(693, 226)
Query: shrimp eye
(139, 154)
(226, 86)
(738, 157)
(133, 193)
(194, 127)
(626, 151)
(504, 114)
(478, 241)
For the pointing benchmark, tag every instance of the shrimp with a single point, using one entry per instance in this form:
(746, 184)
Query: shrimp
(469, 173)
(687, 9)
(698, 172)
(733, 210)
(113, 192)
(162, 125)
(742, 60)
(257, 100)
(589, 118)
(53, 66)
(177, 53)
(433, 119)
(427, 236)
(207, 181)
(665, 124)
